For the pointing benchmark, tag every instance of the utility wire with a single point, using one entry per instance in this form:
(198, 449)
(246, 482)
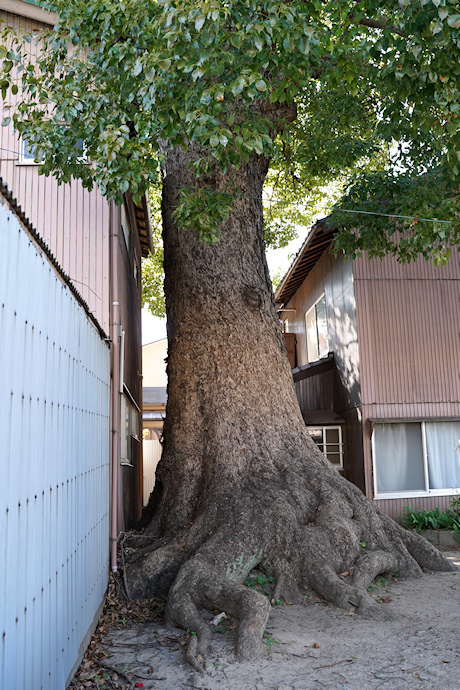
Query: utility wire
(394, 215)
(293, 203)
(339, 210)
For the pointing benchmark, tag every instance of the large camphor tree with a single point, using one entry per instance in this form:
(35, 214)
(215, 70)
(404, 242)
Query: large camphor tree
(206, 98)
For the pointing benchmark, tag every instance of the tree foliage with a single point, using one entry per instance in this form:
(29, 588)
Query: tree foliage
(152, 267)
(375, 84)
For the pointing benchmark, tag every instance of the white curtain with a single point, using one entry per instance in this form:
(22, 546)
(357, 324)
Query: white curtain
(399, 457)
(442, 439)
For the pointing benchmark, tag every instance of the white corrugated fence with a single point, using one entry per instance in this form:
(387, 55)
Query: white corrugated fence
(54, 450)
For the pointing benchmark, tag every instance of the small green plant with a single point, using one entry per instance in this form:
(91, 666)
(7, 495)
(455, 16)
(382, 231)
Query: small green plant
(260, 583)
(269, 641)
(362, 544)
(378, 582)
(422, 520)
(277, 602)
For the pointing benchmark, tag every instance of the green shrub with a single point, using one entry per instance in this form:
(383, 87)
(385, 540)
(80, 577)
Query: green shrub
(422, 520)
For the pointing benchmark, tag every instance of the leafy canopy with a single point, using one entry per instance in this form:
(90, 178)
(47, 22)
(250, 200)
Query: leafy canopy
(375, 82)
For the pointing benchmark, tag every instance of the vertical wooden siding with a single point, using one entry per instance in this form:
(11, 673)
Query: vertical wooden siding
(408, 325)
(72, 221)
(334, 277)
(395, 507)
(54, 431)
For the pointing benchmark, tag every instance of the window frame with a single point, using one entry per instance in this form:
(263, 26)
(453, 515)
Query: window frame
(130, 430)
(323, 428)
(413, 493)
(30, 161)
(25, 161)
(325, 352)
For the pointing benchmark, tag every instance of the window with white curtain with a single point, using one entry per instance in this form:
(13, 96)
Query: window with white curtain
(316, 330)
(416, 458)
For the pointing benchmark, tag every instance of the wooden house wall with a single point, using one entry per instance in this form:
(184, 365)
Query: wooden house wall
(129, 290)
(334, 277)
(77, 226)
(316, 392)
(408, 326)
(74, 223)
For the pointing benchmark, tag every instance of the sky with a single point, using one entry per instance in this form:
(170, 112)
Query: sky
(154, 328)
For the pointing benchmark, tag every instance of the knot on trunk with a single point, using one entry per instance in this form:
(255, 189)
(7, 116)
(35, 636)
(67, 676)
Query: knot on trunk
(252, 297)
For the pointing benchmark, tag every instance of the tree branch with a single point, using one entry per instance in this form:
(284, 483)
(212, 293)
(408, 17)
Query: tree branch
(380, 24)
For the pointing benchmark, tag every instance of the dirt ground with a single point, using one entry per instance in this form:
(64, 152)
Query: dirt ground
(413, 644)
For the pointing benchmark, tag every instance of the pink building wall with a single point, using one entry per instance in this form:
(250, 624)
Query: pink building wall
(73, 222)
(408, 321)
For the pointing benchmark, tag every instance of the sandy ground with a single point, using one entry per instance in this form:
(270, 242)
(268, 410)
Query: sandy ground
(413, 644)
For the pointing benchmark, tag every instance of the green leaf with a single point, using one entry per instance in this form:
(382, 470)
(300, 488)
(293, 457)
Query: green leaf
(258, 146)
(197, 73)
(238, 86)
(137, 69)
(199, 23)
(454, 21)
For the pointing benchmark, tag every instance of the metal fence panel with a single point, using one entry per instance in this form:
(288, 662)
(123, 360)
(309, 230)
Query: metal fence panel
(54, 457)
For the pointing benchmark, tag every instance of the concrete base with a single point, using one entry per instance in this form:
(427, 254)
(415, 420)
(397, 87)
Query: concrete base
(442, 537)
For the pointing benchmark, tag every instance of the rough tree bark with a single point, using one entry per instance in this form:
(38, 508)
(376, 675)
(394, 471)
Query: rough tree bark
(240, 483)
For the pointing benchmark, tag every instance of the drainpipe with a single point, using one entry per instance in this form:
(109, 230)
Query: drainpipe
(115, 397)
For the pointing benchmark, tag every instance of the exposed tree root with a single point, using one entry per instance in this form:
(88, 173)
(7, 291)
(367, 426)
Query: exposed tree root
(305, 538)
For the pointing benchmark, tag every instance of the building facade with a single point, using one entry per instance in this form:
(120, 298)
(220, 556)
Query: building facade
(377, 351)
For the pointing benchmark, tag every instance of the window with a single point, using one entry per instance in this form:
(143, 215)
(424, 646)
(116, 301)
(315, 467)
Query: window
(129, 430)
(28, 152)
(316, 330)
(416, 458)
(125, 229)
(329, 441)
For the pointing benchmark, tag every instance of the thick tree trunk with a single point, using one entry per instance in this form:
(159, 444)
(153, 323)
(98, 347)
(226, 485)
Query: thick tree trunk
(240, 483)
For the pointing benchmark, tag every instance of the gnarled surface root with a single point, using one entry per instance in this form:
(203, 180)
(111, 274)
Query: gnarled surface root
(198, 586)
(318, 531)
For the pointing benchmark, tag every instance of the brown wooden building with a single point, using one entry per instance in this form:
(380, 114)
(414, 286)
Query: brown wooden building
(378, 369)
(99, 246)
